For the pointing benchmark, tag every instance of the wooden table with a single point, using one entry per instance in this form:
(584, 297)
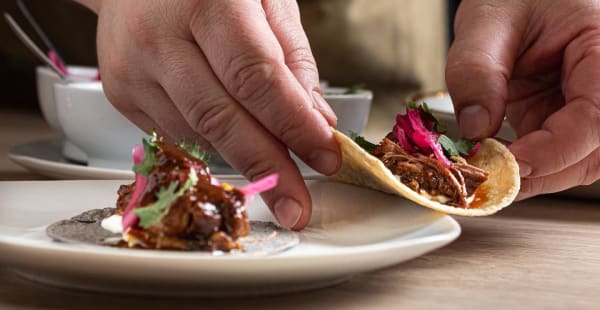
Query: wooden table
(542, 253)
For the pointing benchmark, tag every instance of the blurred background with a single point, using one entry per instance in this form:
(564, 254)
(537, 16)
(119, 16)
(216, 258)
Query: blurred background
(394, 47)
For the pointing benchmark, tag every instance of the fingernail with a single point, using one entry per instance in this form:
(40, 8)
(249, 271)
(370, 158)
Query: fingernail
(474, 121)
(324, 161)
(524, 169)
(324, 108)
(288, 212)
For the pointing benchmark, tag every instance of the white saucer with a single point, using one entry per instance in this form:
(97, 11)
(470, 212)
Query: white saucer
(353, 230)
(45, 158)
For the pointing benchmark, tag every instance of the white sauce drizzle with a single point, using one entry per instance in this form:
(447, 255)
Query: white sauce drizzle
(438, 198)
(113, 224)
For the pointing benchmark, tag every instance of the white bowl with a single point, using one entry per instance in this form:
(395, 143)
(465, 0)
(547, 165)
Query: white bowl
(441, 106)
(352, 110)
(46, 78)
(90, 122)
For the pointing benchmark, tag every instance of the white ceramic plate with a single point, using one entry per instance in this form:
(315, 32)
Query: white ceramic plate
(353, 230)
(45, 158)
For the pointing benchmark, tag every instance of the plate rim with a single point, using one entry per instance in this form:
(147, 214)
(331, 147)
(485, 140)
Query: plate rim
(74, 171)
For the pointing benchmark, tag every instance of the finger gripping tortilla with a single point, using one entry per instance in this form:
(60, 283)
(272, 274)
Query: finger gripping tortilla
(498, 191)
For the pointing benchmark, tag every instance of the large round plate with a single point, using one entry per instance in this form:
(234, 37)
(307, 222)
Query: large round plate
(353, 230)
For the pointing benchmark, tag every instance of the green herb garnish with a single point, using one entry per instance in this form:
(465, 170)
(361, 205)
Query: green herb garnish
(459, 147)
(194, 150)
(150, 157)
(465, 146)
(155, 212)
(362, 142)
(354, 89)
(448, 145)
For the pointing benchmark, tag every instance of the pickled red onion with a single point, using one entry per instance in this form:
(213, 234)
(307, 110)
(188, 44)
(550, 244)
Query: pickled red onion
(130, 218)
(261, 185)
(402, 130)
(426, 140)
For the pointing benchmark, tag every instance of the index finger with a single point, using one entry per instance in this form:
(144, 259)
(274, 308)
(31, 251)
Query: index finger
(238, 137)
(245, 55)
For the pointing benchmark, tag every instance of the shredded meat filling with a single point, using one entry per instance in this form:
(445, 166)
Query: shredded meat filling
(206, 217)
(425, 173)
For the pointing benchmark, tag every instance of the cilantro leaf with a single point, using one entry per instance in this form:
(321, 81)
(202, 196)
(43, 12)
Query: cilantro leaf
(354, 89)
(465, 146)
(362, 142)
(155, 212)
(194, 150)
(459, 147)
(150, 157)
(448, 145)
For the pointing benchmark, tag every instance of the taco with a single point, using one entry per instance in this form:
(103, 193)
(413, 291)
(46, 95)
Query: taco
(417, 161)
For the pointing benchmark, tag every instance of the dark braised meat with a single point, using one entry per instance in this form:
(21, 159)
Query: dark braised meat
(425, 173)
(205, 217)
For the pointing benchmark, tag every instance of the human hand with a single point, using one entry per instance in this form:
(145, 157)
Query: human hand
(236, 76)
(538, 63)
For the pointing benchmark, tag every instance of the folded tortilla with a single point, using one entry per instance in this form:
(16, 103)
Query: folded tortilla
(502, 186)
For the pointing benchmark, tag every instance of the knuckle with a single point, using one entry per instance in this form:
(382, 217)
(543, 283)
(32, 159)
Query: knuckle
(254, 167)
(589, 42)
(533, 187)
(251, 78)
(145, 31)
(292, 127)
(214, 121)
(475, 60)
(526, 186)
(301, 58)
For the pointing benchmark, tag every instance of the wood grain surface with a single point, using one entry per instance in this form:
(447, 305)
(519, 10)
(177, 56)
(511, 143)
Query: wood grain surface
(543, 253)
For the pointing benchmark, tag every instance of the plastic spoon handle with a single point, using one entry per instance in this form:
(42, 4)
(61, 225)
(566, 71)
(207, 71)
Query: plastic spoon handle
(32, 47)
(36, 27)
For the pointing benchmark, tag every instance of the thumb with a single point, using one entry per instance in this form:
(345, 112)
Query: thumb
(480, 63)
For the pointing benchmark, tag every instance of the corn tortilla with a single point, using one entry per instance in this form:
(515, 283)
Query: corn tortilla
(502, 186)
